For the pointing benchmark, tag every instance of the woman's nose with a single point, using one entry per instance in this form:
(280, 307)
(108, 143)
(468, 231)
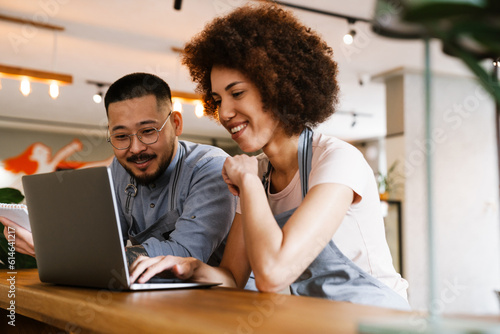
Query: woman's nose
(226, 111)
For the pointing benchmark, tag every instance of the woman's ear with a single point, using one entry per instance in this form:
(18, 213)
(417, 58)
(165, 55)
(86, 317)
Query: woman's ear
(177, 117)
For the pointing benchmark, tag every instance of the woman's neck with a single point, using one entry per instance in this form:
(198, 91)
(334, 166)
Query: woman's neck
(282, 153)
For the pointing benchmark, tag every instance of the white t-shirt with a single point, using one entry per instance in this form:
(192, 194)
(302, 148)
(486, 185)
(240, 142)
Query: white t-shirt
(361, 235)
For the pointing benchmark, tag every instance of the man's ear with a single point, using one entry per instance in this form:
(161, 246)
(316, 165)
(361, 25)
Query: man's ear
(177, 117)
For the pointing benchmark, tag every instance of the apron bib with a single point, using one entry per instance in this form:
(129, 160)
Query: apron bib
(162, 227)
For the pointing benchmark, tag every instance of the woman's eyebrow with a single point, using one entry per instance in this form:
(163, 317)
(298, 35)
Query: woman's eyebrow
(228, 87)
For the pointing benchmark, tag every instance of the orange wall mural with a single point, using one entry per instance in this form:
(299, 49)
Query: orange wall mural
(39, 158)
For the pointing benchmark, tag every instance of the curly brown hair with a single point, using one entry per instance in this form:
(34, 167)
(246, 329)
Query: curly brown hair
(289, 63)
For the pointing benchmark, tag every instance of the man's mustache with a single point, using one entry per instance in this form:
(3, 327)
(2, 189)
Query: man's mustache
(140, 157)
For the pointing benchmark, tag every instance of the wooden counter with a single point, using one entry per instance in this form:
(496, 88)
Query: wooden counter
(214, 310)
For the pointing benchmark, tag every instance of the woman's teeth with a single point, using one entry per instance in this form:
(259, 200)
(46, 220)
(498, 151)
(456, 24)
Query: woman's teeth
(238, 128)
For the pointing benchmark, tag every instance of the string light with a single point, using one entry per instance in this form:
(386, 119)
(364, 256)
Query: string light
(198, 110)
(25, 87)
(54, 80)
(177, 105)
(54, 90)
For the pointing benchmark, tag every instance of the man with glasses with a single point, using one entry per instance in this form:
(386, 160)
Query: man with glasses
(171, 195)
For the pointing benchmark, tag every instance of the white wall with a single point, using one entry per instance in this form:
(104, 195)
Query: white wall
(465, 192)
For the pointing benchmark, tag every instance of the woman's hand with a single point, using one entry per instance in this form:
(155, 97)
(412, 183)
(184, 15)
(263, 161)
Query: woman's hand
(234, 170)
(144, 268)
(24, 238)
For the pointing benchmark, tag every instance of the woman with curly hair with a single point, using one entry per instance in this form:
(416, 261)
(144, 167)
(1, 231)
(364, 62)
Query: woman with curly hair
(309, 214)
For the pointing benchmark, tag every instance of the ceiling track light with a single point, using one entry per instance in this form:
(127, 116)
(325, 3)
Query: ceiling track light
(177, 4)
(97, 97)
(349, 37)
(354, 115)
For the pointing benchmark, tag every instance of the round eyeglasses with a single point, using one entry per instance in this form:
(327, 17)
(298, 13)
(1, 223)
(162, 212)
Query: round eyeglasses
(147, 136)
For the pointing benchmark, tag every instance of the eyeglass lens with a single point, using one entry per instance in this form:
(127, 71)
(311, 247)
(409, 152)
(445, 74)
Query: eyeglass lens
(147, 136)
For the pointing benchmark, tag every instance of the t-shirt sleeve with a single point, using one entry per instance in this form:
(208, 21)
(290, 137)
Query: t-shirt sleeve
(342, 164)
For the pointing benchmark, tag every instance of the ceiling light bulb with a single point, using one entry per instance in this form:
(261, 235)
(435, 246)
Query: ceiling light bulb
(25, 87)
(54, 90)
(97, 97)
(198, 110)
(177, 105)
(349, 37)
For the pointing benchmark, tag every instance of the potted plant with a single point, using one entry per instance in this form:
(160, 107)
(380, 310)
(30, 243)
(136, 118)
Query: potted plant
(387, 182)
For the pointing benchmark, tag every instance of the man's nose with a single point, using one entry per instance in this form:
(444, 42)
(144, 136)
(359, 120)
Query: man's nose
(136, 146)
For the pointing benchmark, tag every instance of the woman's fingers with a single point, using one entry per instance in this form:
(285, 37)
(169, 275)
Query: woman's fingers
(23, 238)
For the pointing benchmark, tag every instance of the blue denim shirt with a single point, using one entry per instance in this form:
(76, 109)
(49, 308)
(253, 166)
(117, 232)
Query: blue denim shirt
(191, 220)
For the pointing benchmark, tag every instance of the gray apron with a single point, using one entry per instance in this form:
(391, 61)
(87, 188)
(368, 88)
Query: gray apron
(162, 227)
(332, 275)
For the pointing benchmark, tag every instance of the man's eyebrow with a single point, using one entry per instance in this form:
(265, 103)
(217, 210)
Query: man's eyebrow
(146, 122)
(118, 127)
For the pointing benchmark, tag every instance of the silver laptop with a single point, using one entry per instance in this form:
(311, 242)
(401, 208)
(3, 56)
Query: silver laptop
(77, 233)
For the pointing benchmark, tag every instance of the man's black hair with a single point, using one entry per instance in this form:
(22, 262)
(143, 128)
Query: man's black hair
(138, 85)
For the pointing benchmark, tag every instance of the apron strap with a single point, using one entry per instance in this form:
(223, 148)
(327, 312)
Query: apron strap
(265, 178)
(305, 158)
(175, 178)
(131, 191)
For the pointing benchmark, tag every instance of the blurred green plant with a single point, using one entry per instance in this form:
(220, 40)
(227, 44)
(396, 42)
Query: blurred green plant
(467, 29)
(12, 196)
(388, 182)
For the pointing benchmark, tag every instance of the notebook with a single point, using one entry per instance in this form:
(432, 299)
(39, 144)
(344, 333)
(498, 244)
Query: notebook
(18, 213)
(77, 233)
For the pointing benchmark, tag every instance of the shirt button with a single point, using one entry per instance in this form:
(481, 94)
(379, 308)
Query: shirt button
(152, 205)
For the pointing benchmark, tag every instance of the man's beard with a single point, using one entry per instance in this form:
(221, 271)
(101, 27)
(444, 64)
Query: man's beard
(146, 179)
